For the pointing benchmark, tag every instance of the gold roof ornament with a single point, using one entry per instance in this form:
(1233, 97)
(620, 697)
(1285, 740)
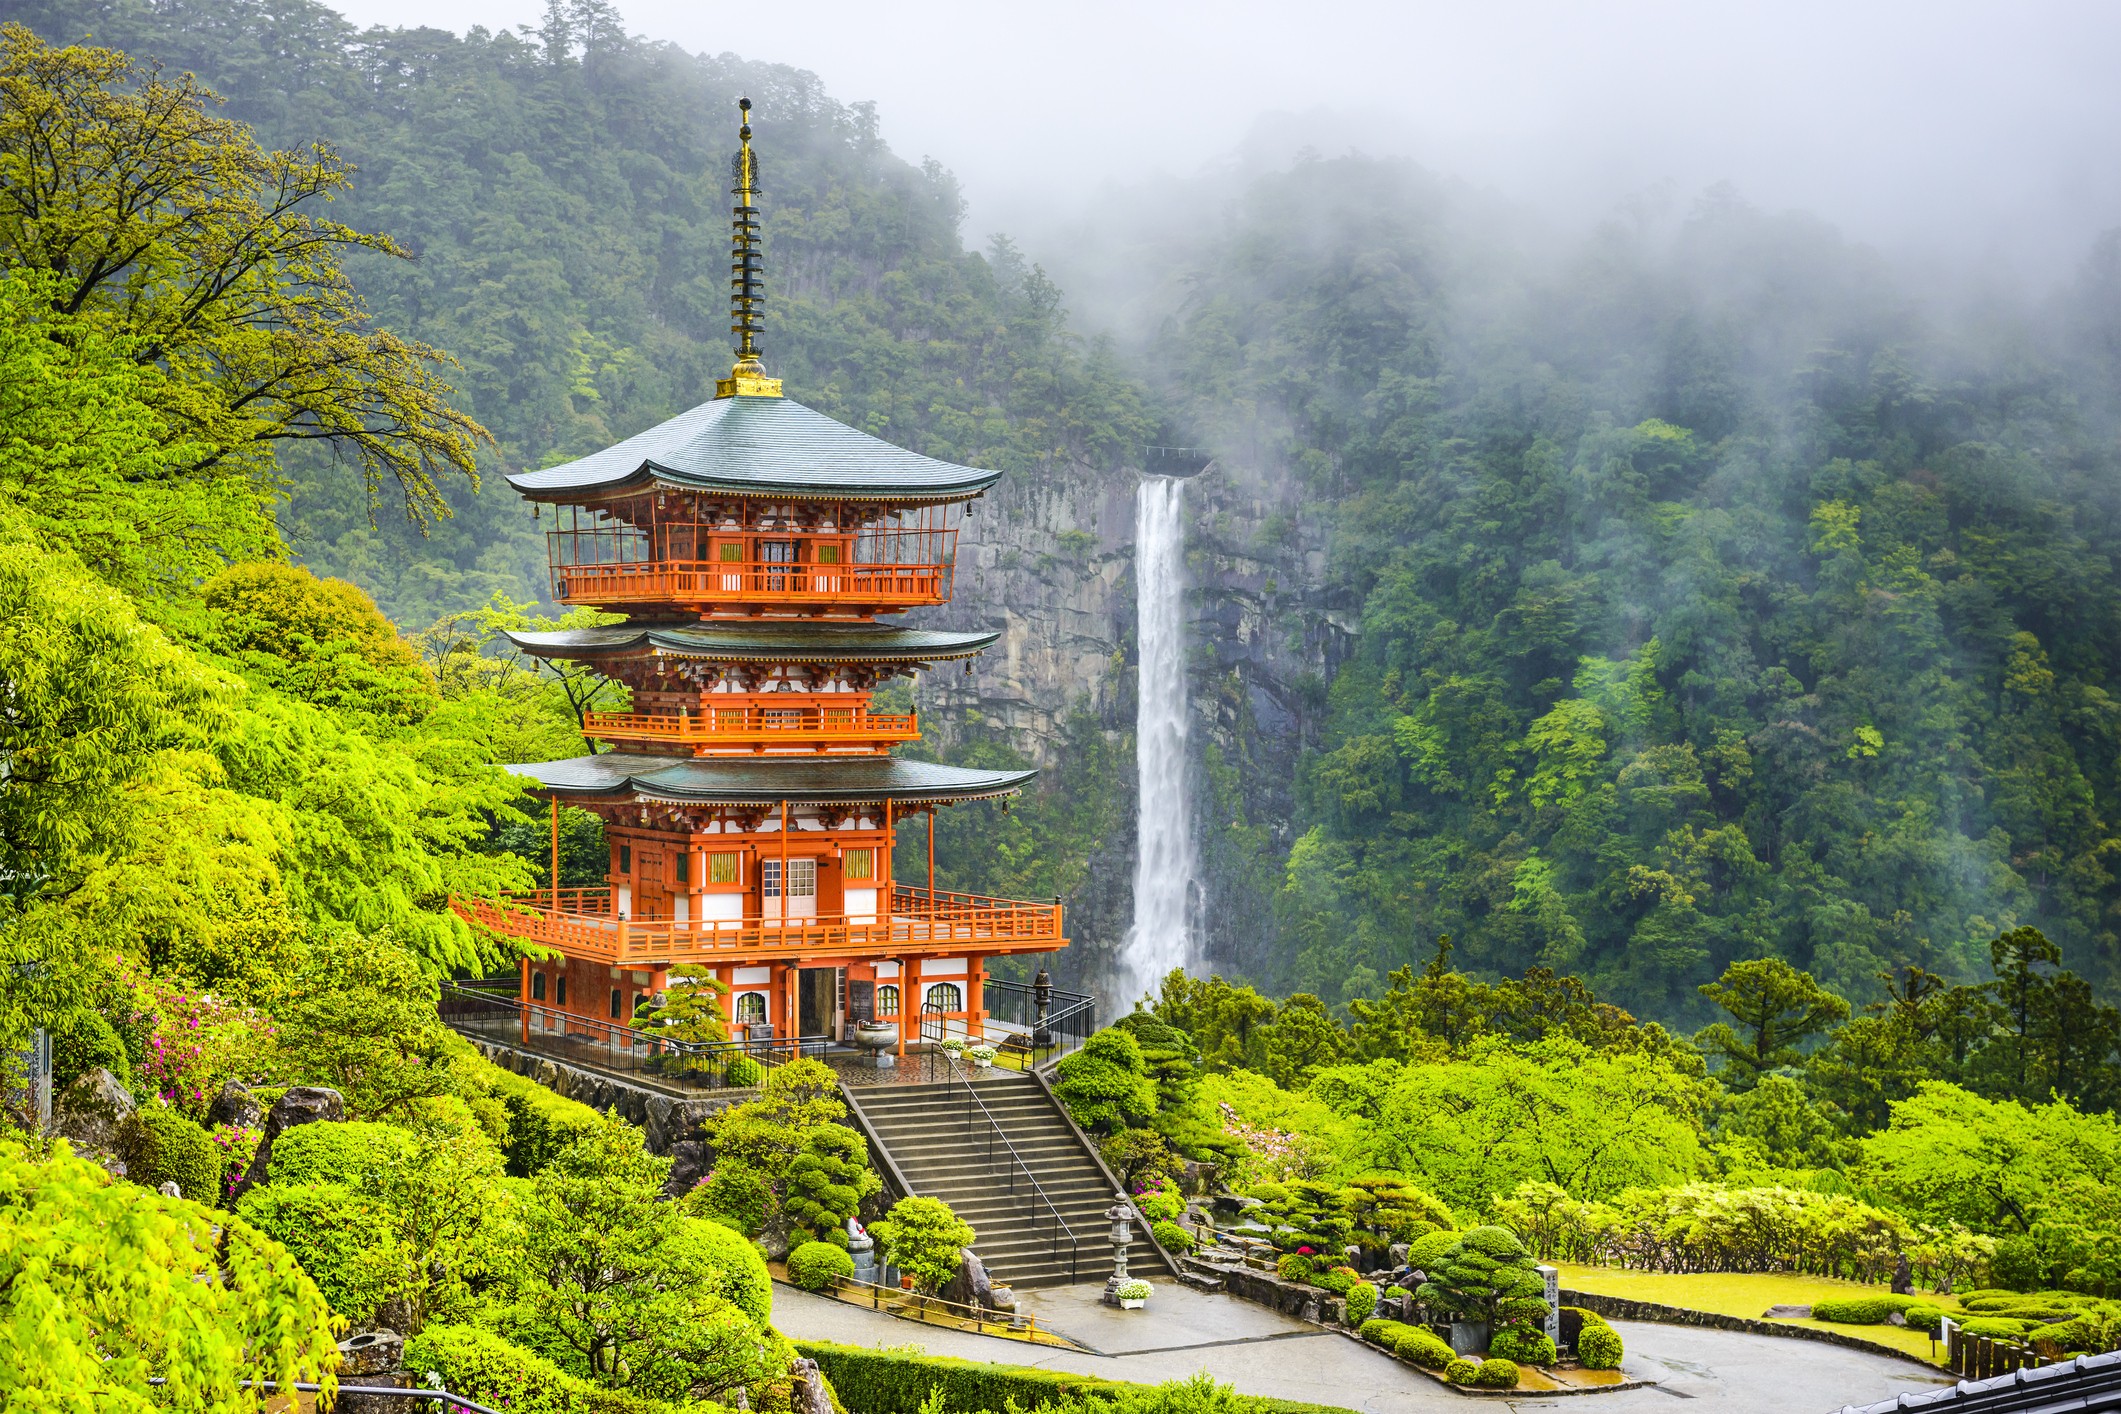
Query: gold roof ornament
(747, 289)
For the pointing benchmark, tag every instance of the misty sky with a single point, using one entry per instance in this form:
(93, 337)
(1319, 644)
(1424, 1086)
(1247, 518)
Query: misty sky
(1977, 132)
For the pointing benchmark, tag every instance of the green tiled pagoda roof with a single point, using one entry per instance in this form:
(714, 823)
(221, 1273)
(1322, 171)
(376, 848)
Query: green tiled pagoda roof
(751, 446)
(756, 641)
(709, 782)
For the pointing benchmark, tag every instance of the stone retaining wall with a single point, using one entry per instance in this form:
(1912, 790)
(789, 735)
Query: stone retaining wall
(1305, 1303)
(665, 1119)
(1620, 1308)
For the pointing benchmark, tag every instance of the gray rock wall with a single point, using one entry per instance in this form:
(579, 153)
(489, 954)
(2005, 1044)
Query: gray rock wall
(664, 1119)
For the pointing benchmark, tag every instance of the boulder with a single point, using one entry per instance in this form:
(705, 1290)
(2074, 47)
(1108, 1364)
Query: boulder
(1352, 1257)
(971, 1286)
(808, 1388)
(236, 1106)
(304, 1104)
(1787, 1313)
(91, 1109)
(1199, 1179)
(1903, 1277)
(170, 1189)
(375, 1359)
(689, 1161)
(1895, 1318)
(1397, 1256)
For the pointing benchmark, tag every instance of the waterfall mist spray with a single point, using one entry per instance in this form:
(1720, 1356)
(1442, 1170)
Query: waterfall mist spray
(1162, 936)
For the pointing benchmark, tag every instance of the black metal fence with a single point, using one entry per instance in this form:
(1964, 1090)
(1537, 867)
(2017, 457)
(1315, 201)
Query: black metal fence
(484, 1012)
(1045, 1023)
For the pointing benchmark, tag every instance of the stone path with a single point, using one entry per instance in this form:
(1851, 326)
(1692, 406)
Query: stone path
(1261, 1352)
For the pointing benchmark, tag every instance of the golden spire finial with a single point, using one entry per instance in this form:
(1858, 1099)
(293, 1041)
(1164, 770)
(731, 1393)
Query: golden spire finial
(747, 291)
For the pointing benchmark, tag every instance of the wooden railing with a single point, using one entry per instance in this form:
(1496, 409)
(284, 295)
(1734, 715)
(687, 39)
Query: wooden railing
(754, 729)
(707, 582)
(584, 926)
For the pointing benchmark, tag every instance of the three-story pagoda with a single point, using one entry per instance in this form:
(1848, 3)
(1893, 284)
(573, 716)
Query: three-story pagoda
(751, 798)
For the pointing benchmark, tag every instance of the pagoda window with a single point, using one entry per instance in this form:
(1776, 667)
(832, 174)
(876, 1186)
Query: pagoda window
(625, 859)
(946, 995)
(887, 1000)
(537, 986)
(731, 552)
(725, 868)
(828, 554)
(618, 1003)
(802, 878)
(559, 989)
(858, 864)
(684, 867)
(751, 1008)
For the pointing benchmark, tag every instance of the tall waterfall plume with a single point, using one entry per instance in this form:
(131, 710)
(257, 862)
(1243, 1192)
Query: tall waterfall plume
(1163, 935)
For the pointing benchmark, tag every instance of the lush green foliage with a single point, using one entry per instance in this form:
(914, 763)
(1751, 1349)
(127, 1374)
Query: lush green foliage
(482, 1366)
(160, 1146)
(816, 1265)
(899, 1382)
(1599, 1346)
(923, 1239)
(105, 1284)
(1106, 1084)
(1525, 1344)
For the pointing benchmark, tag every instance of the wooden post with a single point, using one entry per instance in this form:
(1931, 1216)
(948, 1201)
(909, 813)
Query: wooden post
(555, 854)
(976, 1000)
(884, 884)
(784, 870)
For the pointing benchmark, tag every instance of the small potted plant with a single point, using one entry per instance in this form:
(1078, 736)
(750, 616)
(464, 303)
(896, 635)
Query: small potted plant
(952, 1046)
(1132, 1294)
(982, 1055)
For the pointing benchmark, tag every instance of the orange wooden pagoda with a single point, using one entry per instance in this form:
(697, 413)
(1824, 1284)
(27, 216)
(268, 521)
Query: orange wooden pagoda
(750, 797)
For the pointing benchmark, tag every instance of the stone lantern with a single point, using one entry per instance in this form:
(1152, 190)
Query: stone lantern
(1042, 999)
(1122, 1215)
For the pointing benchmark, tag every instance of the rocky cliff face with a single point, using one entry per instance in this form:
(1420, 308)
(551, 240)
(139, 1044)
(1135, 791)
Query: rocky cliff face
(1048, 560)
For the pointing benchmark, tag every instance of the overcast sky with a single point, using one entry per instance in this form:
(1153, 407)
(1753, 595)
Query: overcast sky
(1976, 131)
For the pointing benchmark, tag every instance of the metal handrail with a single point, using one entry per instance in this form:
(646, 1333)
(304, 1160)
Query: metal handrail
(1060, 1226)
(1022, 1324)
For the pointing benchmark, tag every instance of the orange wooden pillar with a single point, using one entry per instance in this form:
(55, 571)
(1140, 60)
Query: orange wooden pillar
(905, 1001)
(976, 1000)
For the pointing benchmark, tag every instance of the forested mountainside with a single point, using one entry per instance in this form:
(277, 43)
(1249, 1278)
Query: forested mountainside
(1704, 594)
(1697, 593)
(562, 197)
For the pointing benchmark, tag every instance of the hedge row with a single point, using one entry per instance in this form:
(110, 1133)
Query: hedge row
(891, 1382)
(540, 1121)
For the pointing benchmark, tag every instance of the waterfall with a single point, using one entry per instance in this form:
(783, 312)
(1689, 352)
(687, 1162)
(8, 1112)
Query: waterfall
(1162, 936)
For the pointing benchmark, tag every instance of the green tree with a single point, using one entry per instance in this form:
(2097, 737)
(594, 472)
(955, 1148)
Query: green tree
(826, 1184)
(923, 1239)
(105, 1285)
(1774, 1009)
(1106, 1084)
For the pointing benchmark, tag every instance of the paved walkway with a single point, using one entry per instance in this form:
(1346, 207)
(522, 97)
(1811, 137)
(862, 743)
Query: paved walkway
(1260, 1352)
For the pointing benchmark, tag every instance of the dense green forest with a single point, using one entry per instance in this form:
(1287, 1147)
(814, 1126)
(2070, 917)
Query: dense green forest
(1712, 593)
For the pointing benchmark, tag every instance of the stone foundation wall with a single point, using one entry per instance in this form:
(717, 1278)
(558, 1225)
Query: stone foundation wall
(666, 1120)
(1305, 1303)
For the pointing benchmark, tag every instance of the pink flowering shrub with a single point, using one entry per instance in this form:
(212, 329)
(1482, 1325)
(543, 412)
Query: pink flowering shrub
(1274, 1154)
(238, 1147)
(195, 1041)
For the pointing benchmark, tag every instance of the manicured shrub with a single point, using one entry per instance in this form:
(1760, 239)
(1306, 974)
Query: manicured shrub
(1497, 1242)
(1375, 1330)
(1294, 1267)
(816, 1265)
(1497, 1374)
(161, 1146)
(1422, 1347)
(747, 1283)
(1106, 1085)
(1362, 1300)
(540, 1122)
(491, 1370)
(1526, 1344)
(924, 1239)
(1397, 1290)
(354, 1153)
(1427, 1252)
(734, 1195)
(1998, 1327)
(1599, 1347)
(1922, 1316)
(1171, 1237)
(1462, 1371)
(743, 1073)
(826, 1183)
(894, 1382)
(333, 1232)
(1860, 1310)
(1336, 1281)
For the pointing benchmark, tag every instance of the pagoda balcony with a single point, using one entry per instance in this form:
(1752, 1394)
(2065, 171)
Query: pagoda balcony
(754, 730)
(703, 586)
(582, 924)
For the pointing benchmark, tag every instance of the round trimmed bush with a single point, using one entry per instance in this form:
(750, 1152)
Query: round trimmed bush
(746, 1282)
(1375, 1330)
(1293, 1267)
(1527, 1345)
(1998, 1327)
(1397, 1290)
(743, 1072)
(1599, 1347)
(816, 1265)
(1925, 1318)
(1424, 1348)
(1497, 1242)
(1362, 1300)
(1462, 1372)
(161, 1146)
(1427, 1251)
(1497, 1374)
(1171, 1237)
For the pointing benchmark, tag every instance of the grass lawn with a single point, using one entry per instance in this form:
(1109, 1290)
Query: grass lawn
(1750, 1294)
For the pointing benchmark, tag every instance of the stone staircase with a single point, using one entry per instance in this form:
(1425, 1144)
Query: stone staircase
(939, 1143)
